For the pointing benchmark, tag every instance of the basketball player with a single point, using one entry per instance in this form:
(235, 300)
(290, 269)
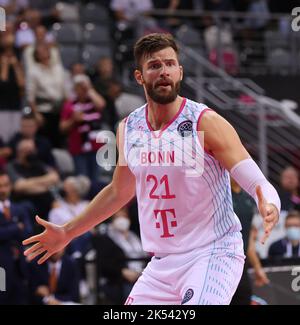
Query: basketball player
(186, 222)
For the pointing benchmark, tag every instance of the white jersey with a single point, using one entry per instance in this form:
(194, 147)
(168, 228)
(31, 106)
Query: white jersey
(178, 211)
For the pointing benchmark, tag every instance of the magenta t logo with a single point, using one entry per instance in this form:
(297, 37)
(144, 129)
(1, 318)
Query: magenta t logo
(162, 221)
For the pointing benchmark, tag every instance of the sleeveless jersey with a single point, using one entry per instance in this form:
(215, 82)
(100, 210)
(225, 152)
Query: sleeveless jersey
(184, 195)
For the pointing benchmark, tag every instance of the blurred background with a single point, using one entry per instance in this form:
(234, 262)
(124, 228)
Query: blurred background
(66, 73)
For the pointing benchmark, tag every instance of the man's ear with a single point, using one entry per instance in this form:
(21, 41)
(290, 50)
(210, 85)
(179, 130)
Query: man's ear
(139, 77)
(181, 72)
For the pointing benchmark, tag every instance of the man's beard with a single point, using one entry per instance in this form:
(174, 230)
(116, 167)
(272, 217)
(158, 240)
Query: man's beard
(166, 97)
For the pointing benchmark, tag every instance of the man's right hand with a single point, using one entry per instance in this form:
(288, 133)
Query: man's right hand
(52, 240)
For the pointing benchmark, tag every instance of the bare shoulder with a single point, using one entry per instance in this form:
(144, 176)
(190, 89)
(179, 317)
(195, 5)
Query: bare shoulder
(221, 139)
(217, 131)
(211, 120)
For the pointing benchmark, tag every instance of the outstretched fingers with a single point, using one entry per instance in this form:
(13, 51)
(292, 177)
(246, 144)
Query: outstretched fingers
(32, 239)
(41, 221)
(44, 258)
(32, 249)
(265, 237)
(261, 201)
(36, 253)
(268, 227)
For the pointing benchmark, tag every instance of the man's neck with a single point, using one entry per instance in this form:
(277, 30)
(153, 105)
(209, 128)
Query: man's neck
(160, 115)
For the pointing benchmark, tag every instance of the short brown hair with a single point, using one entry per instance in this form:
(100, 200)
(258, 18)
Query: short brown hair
(151, 43)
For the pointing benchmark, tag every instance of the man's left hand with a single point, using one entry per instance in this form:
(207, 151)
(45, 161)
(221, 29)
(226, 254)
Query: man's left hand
(269, 212)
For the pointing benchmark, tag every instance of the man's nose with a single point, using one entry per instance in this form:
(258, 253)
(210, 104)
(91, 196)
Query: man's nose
(164, 70)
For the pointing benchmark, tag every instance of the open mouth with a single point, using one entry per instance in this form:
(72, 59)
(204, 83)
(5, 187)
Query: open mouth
(163, 84)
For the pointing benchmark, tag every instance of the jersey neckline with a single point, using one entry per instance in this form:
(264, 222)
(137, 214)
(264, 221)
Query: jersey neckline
(169, 123)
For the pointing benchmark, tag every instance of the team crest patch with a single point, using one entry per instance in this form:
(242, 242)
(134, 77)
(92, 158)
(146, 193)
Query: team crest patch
(188, 296)
(185, 128)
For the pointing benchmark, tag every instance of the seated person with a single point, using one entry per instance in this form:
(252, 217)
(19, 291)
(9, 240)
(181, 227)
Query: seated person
(55, 282)
(121, 258)
(289, 246)
(32, 179)
(15, 226)
(29, 130)
(289, 189)
(71, 205)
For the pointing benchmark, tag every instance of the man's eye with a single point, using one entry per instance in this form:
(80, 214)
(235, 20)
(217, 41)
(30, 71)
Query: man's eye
(154, 66)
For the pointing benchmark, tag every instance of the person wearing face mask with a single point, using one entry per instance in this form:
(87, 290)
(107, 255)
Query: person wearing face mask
(288, 247)
(121, 258)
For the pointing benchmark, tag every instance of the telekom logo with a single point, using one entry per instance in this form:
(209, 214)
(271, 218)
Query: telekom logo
(162, 221)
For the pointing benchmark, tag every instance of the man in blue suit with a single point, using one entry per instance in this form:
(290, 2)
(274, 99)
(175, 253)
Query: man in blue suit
(55, 282)
(15, 225)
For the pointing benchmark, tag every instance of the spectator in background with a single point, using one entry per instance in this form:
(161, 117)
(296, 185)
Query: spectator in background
(288, 247)
(116, 251)
(124, 102)
(29, 20)
(41, 36)
(70, 205)
(56, 282)
(5, 153)
(220, 46)
(76, 69)
(260, 21)
(32, 179)
(102, 81)
(81, 120)
(46, 92)
(28, 130)
(104, 73)
(11, 85)
(15, 226)
(289, 189)
(13, 7)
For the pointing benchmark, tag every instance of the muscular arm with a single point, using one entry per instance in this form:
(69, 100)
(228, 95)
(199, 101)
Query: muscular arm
(221, 139)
